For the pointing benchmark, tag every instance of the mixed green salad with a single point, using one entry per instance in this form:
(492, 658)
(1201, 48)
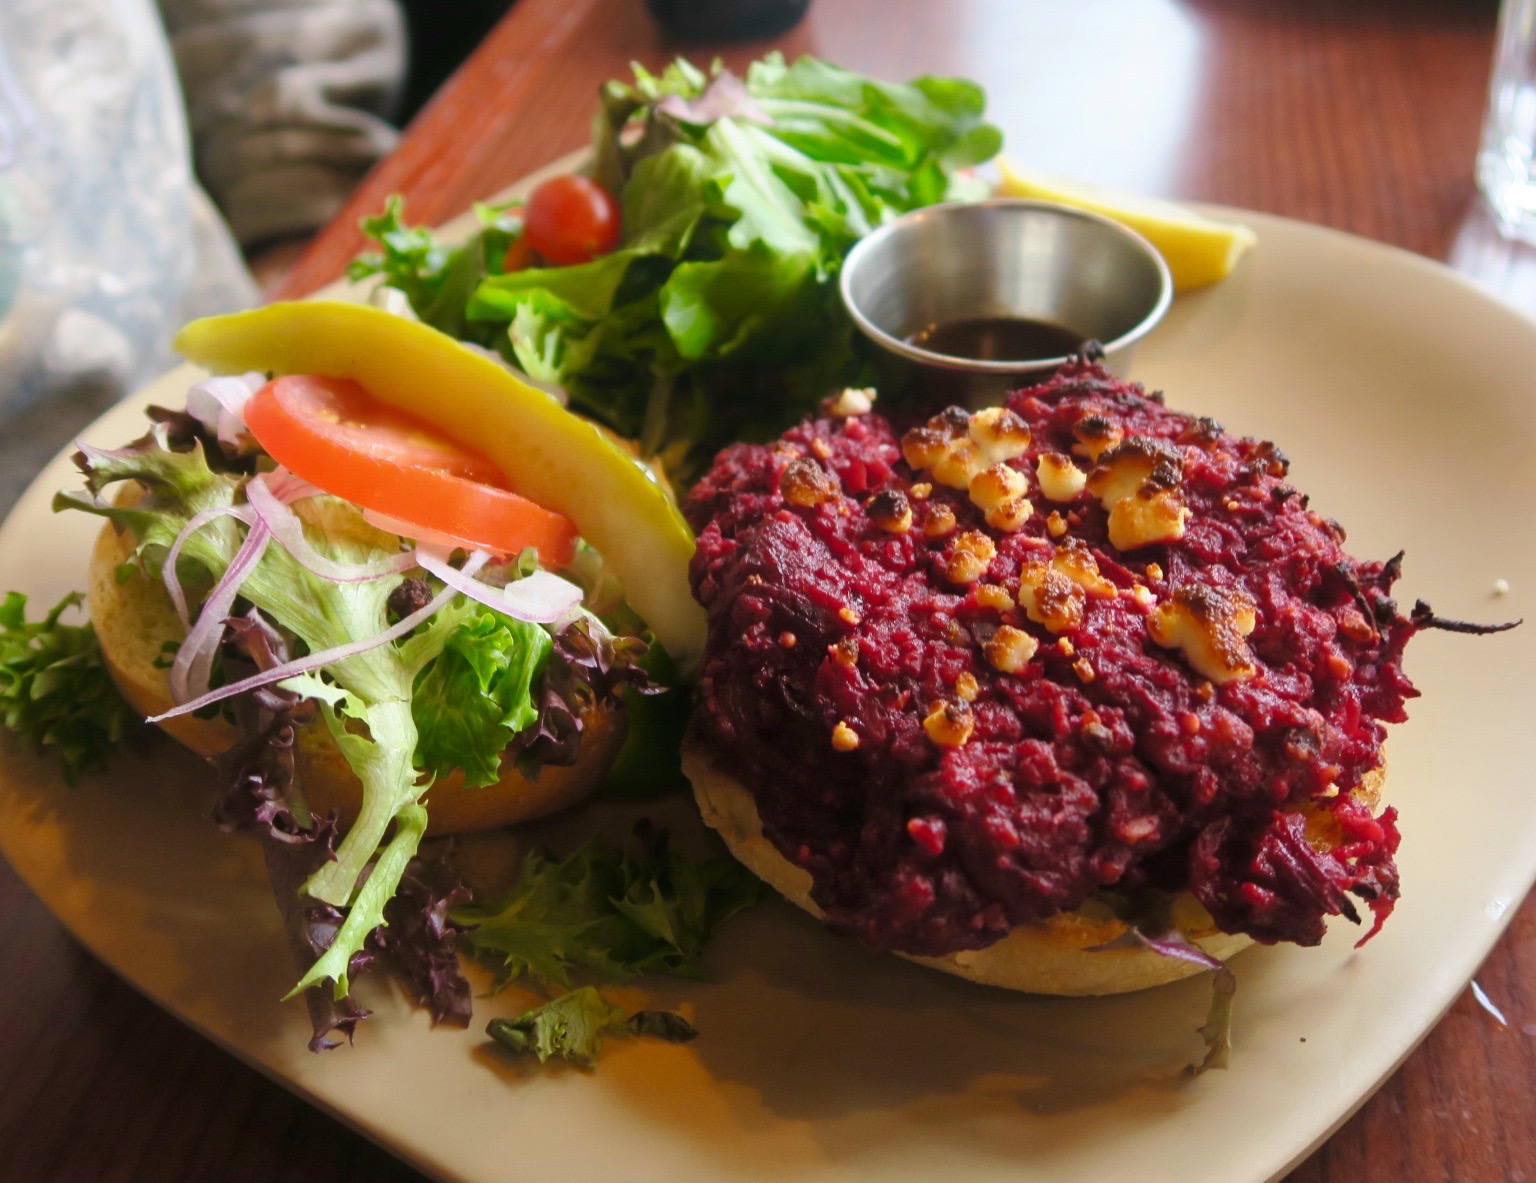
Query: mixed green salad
(714, 316)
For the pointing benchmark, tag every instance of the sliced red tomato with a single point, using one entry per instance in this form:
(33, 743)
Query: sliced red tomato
(336, 435)
(571, 219)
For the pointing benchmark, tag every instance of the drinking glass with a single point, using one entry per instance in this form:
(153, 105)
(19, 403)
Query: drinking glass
(1506, 161)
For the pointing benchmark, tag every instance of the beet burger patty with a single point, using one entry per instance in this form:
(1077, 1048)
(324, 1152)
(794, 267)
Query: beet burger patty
(1021, 689)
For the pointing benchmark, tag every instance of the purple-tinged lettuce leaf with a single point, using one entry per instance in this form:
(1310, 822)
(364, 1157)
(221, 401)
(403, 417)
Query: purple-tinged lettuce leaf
(726, 96)
(311, 927)
(257, 772)
(184, 431)
(417, 944)
(588, 665)
(419, 941)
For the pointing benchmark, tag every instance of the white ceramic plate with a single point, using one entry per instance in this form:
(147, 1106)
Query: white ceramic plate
(1401, 395)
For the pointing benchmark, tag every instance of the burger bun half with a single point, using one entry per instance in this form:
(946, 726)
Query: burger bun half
(134, 619)
(1065, 954)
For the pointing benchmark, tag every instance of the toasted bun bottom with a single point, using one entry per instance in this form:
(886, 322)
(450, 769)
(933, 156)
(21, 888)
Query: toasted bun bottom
(1061, 955)
(134, 620)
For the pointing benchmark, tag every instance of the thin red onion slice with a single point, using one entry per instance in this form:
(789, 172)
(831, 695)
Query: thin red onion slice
(289, 487)
(193, 666)
(726, 95)
(286, 527)
(420, 534)
(219, 404)
(194, 524)
(540, 598)
(324, 657)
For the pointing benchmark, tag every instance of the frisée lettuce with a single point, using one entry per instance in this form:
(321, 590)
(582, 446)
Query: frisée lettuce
(573, 1026)
(55, 692)
(608, 912)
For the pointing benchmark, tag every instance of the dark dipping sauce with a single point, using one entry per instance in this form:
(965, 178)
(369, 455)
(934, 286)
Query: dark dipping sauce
(854, 678)
(998, 338)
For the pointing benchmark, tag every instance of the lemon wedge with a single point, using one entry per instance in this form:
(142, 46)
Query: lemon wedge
(1199, 250)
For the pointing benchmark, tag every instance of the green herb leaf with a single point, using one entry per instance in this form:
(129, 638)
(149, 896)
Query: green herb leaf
(55, 691)
(477, 694)
(717, 319)
(608, 912)
(574, 1025)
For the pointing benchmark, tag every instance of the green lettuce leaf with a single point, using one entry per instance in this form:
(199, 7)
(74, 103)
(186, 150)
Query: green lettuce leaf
(672, 194)
(438, 282)
(586, 291)
(478, 694)
(717, 318)
(55, 691)
(608, 912)
(573, 1026)
(650, 762)
(752, 299)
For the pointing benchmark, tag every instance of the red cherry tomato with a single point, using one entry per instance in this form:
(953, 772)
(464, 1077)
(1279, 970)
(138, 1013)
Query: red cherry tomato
(518, 256)
(336, 435)
(571, 219)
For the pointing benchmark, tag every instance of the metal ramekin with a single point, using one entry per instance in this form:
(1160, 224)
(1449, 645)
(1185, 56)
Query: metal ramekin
(1000, 258)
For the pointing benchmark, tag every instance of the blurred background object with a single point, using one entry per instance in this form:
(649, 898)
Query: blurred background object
(439, 35)
(1506, 161)
(289, 104)
(167, 159)
(726, 20)
(107, 244)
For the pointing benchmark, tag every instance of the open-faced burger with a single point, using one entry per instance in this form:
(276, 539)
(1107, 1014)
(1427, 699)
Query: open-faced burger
(1074, 695)
(392, 590)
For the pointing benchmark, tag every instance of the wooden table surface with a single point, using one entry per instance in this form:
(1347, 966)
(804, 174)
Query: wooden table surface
(1356, 114)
